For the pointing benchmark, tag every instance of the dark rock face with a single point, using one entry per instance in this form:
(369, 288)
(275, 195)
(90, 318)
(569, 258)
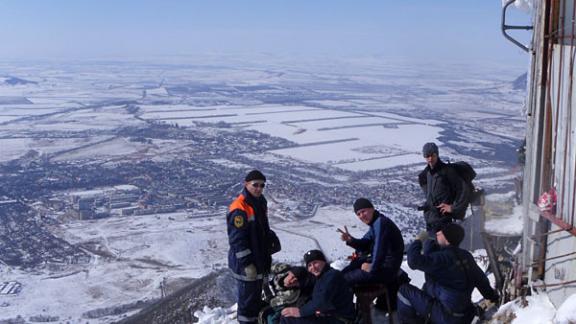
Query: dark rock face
(218, 289)
(521, 82)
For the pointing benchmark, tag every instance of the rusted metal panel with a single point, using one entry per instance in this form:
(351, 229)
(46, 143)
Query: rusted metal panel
(550, 237)
(559, 266)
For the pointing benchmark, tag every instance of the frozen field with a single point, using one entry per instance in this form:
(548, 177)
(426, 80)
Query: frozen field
(326, 129)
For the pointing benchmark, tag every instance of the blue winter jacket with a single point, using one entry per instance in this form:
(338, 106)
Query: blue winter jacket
(385, 243)
(249, 235)
(331, 297)
(451, 275)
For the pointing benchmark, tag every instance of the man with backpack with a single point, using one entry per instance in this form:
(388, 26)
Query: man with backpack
(451, 275)
(447, 192)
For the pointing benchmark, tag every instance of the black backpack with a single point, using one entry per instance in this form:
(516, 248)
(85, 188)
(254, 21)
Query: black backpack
(464, 170)
(467, 173)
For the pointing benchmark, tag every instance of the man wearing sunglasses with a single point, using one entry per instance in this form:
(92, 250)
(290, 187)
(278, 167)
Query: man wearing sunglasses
(252, 244)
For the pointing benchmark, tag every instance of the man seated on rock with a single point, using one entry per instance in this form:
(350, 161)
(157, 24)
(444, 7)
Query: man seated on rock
(381, 251)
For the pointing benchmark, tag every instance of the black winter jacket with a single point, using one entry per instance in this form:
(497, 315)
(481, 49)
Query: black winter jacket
(443, 185)
(331, 297)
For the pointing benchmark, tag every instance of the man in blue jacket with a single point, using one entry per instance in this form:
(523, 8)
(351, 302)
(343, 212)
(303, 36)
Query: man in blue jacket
(251, 245)
(451, 275)
(331, 300)
(380, 251)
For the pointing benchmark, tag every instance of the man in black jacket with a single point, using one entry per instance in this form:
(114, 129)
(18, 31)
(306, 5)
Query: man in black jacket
(451, 275)
(446, 192)
(331, 300)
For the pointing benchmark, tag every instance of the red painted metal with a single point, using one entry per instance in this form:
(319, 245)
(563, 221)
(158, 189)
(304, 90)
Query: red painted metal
(559, 222)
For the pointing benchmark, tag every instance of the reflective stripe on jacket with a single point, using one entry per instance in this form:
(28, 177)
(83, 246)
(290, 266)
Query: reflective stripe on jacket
(248, 235)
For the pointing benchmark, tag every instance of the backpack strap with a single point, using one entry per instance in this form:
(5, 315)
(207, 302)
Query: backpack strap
(462, 265)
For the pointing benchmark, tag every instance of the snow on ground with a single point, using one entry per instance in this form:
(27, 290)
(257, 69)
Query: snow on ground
(305, 125)
(539, 310)
(119, 147)
(13, 148)
(135, 253)
(511, 224)
(217, 315)
(143, 250)
(566, 313)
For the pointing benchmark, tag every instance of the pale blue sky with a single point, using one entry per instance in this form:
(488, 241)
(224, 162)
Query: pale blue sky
(410, 29)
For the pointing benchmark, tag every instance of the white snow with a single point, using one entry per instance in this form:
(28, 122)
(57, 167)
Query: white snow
(79, 103)
(217, 315)
(566, 313)
(539, 310)
(507, 224)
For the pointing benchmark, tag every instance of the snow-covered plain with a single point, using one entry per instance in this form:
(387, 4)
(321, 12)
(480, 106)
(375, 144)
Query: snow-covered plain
(357, 116)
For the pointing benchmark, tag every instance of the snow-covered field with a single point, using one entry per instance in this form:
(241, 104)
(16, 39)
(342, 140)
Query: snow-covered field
(357, 116)
(142, 251)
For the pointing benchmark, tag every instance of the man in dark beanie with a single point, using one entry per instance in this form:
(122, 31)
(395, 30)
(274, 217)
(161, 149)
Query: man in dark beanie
(313, 255)
(453, 233)
(447, 194)
(451, 275)
(379, 253)
(255, 175)
(362, 203)
(331, 300)
(252, 244)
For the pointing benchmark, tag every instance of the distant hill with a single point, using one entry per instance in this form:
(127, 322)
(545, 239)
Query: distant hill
(520, 82)
(10, 80)
(216, 289)
(14, 100)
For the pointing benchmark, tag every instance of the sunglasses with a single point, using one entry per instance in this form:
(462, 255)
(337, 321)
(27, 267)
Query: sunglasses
(258, 184)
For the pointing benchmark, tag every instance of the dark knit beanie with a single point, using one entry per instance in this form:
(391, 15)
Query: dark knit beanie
(453, 233)
(299, 273)
(254, 175)
(362, 203)
(314, 255)
(429, 149)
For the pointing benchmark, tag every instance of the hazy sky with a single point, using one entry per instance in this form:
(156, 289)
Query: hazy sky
(412, 29)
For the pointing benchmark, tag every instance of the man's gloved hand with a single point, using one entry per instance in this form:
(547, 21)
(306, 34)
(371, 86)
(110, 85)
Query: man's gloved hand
(486, 304)
(422, 236)
(251, 272)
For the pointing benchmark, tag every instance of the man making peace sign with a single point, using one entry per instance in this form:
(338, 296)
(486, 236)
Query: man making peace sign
(380, 251)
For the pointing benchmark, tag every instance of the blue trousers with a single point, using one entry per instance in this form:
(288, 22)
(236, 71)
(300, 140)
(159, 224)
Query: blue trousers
(249, 300)
(356, 276)
(310, 320)
(416, 307)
